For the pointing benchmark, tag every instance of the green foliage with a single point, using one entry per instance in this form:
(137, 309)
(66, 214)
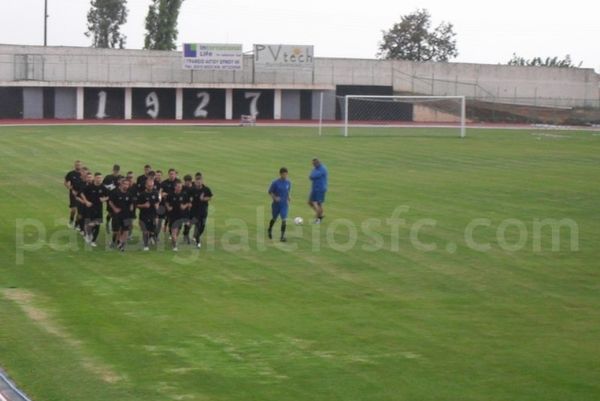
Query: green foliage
(161, 25)
(413, 39)
(565, 62)
(151, 26)
(105, 19)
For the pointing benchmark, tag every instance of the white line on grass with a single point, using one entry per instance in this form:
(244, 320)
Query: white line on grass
(540, 135)
(201, 132)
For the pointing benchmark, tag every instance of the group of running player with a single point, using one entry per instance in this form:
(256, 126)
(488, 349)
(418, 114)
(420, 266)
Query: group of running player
(168, 206)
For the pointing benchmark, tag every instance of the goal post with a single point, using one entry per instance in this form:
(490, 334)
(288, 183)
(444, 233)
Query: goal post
(437, 114)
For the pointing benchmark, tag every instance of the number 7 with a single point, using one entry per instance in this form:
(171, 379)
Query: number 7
(253, 103)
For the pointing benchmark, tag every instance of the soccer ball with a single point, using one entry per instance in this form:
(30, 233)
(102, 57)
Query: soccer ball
(298, 220)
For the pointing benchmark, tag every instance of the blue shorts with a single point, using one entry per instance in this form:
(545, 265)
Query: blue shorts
(317, 196)
(279, 209)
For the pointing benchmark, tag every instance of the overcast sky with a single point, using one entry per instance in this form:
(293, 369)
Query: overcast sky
(487, 32)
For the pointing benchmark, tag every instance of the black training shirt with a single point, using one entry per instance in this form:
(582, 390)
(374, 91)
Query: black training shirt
(152, 198)
(122, 200)
(200, 207)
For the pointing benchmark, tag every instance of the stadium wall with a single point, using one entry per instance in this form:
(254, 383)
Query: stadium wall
(71, 82)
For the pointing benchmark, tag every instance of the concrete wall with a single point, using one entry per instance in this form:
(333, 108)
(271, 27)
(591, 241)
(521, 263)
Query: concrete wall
(290, 100)
(329, 105)
(65, 103)
(507, 84)
(33, 103)
(73, 66)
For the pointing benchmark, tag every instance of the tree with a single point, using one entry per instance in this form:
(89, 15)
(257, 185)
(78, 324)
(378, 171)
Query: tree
(565, 62)
(413, 39)
(161, 25)
(151, 26)
(105, 18)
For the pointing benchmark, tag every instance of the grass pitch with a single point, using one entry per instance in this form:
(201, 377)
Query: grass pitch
(351, 310)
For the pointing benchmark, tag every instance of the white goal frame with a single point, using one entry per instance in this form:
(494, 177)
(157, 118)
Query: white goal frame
(463, 107)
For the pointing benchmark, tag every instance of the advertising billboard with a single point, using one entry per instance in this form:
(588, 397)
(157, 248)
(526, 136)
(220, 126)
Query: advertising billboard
(212, 56)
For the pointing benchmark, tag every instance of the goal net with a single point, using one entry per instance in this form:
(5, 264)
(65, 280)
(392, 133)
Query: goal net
(389, 115)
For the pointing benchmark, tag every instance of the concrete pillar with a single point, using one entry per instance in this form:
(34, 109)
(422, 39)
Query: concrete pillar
(179, 104)
(277, 105)
(128, 102)
(228, 104)
(80, 103)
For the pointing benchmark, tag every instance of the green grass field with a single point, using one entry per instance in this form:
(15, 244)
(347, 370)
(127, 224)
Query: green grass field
(323, 317)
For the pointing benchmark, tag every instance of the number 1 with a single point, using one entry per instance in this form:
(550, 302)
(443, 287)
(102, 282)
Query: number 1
(101, 105)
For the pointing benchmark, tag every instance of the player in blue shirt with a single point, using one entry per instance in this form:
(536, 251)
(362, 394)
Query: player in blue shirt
(318, 177)
(280, 192)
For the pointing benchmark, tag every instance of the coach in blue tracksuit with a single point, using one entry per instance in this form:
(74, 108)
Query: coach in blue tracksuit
(318, 177)
(280, 193)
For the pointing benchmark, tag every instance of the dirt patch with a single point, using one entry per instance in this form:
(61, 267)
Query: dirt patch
(26, 300)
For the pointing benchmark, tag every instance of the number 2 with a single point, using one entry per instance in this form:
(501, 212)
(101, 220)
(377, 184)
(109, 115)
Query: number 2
(200, 110)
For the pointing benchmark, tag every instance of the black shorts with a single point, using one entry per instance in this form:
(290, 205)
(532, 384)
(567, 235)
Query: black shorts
(176, 221)
(72, 200)
(148, 224)
(120, 222)
(81, 210)
(114, 223)
(93, 213)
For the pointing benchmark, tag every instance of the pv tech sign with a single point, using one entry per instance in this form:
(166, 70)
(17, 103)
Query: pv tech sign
(278, 56)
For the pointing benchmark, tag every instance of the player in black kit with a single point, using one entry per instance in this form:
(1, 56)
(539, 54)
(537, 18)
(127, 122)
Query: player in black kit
(133, 192)
(111, 183)
(77, 188)
(122, 204)
(140, 182)
(70, 179)
(201, 195)
(92, 196)
(177, 204)
(166, 188)
(147, 202)
(161, 211)
(188, 185)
